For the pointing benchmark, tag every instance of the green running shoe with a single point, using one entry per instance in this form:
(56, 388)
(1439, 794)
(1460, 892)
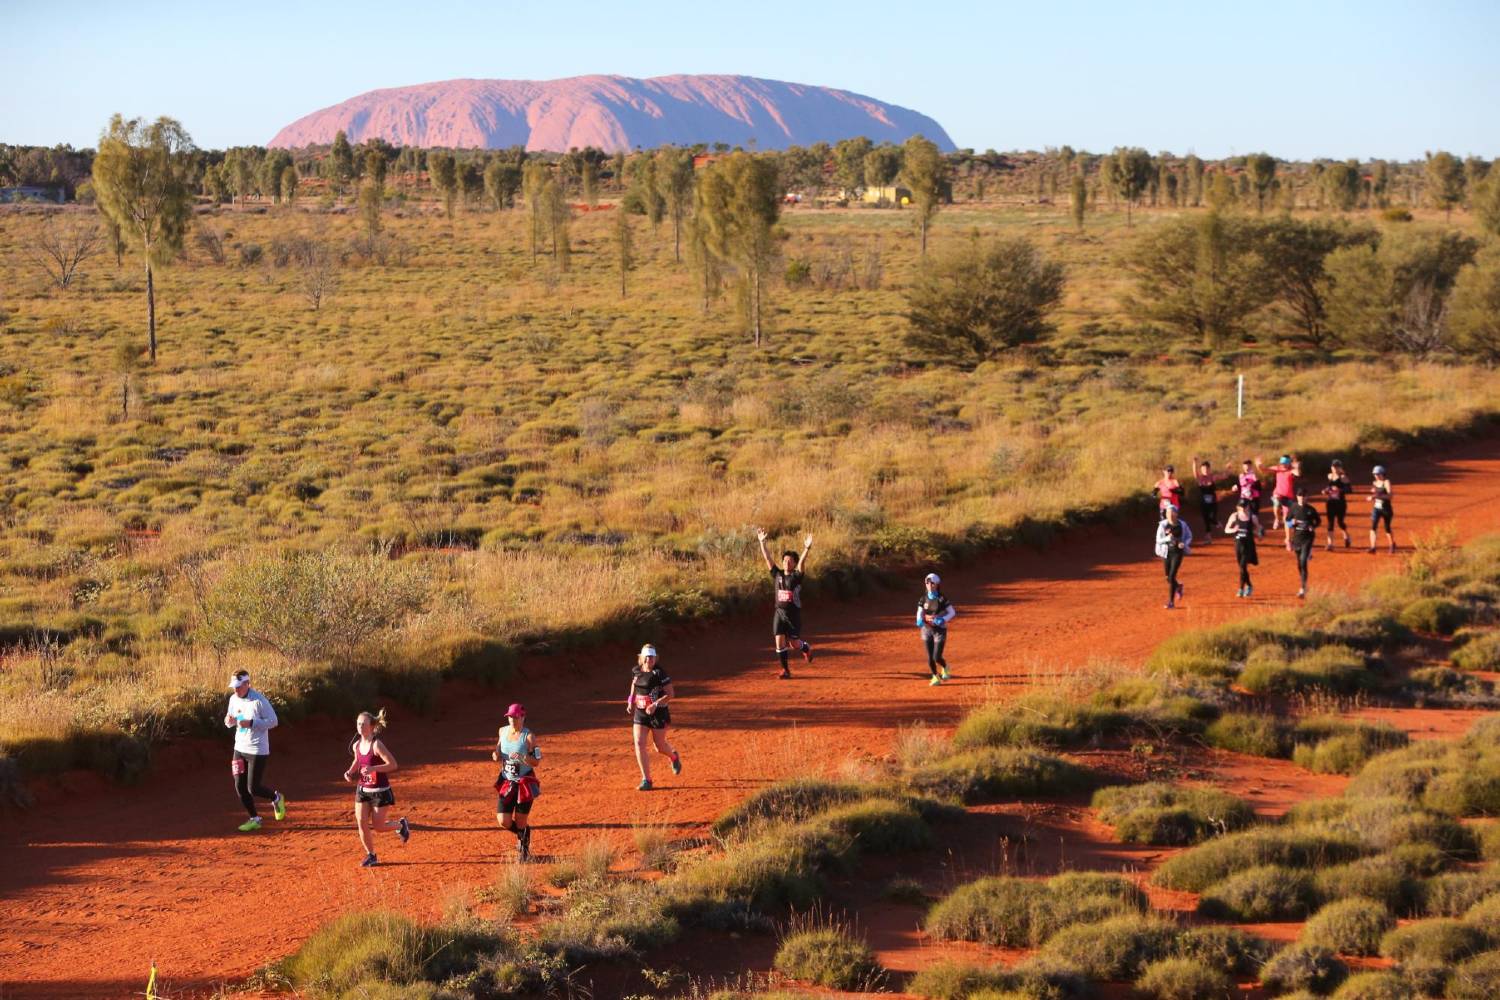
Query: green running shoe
(946, 675)
(936, 680)
(250, 825)
(279, 806)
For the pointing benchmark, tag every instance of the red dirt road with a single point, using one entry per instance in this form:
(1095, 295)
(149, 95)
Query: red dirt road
(100, 881)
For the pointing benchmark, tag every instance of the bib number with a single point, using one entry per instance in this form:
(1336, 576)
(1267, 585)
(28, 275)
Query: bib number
(783, 597)
(513, 767)
(237, 766)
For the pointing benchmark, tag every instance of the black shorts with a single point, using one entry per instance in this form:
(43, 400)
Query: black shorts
(512, 803)
(788, 622)
(1254, 504)
(1337, 510)
(378, 797)
(1378, 514)
(659, 719)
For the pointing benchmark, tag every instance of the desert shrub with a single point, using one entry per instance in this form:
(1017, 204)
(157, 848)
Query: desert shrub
(828, 956)
(764, 875)
(1303, 967)
(1369, 629)
(1389, 823)
(1374, 986)
(1488, 838)
(975, 301)
(1256, 735)
(1227, 949)
(876, 825)
(610, 920)
(1469, 786)
(1114, 949)
(1215, 860)
(904, 890)
(1265, 893)
(1477, 978)
(1401, 774)
(1019, 912)
(1339, 746)
(1183, 979)
(1447, 686)
(953, 980)
(1159, 813)
(1334, 667)
(384, 946)
(319, 606)
(654, 844)
(1352, 926)
(1435, 942)
(595, 859)
(792, 800)
(1485, 915)
(1434, 615)
(1199, 653)
(988, 774)
(1482, 653)
(1042, 718)
(512, 891)
(1383, 878)
(1452, 894)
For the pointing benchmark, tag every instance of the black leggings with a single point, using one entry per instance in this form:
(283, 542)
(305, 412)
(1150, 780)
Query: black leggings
(1245, 556)
(1338, 510)
(1303, 547)
(1210, 510)
(249, 775)
(935, 638)
(1172, 563)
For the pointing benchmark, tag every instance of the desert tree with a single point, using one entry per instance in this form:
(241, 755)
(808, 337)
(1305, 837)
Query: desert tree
(558, 213)
(1294, 253)
(882, 165)
(502, 180)
(1133, 172)
(1392, 296)
(216, 184)
(1078, 199)
(646, 189)
(926, 174)
(1486, 203)
(372, 191)
(707, 267)
(442, 172)
(1194, 167)
(1201, 277)
(588, 181)
(318, 266)
(534, 176)
(1219, 193)
(268, 173)
(1380, 184)
(979, 299)
(674, 183)
(1474, 316)
(140, 182)
(340, 161)
(624, 247)
(240, 173)
(849, 163)
(289, 180)
(1341, 185)
(60, 246)
(1261, 168)
(1444, 176)
(1476, 169)
(1108, 180)
(738, 202)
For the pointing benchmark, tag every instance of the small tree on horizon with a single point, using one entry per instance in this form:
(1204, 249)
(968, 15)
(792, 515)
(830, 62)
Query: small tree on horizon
(1078, 200)
(926, 173)
(738, 202)
(624, 246)
(1133, 171)
(442, 171)
(674, 180)
(1445, 182)
(141, 184)
(1262, 170)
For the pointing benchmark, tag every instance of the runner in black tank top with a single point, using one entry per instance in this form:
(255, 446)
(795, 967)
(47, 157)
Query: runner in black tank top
(1242, 526)
(1337, 491)
(934, 612)
(647, 703)
(1382, 507)
(786, 625)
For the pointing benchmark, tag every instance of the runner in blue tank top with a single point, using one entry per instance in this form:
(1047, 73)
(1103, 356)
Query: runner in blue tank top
(516, 788)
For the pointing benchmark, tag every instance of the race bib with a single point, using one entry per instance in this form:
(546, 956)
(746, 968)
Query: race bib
(236, 766)
(512, 767)
(1379, 504)
(642, 701)
(783, 597)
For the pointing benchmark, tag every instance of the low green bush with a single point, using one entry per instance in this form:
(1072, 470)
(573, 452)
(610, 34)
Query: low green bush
(791, 800)
(1480, 653)
(1340, 746)
(1303, 967)
(1019, 912)
(876, 825)
(1452, 894)
(1437, 615)
(1228, 949)
(956, 980)
(1199, 653)
(990, 774)
(1215, 860)
(1375, 986)
(1485, 915)
(384, 946)
(1488, 838)
(1352, 926)
(1335, 668)
(603, 920)
(1159, 813)
(1183, 979)
(1257, 895)
(1115, 949)
(1436, 942)
(1037, 978)
(1255, 735)
(1477, 978)
(1446, 686)
(1368, 629)
(1042, 718)
(828, 956)
(1383, 878)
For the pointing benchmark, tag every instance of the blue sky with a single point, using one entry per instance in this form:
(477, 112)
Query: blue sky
(1298, 79)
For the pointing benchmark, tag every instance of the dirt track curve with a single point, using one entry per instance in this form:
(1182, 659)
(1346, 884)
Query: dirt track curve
(97, 881)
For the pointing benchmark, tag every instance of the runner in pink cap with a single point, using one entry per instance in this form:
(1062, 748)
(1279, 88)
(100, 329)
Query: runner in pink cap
(516, 787)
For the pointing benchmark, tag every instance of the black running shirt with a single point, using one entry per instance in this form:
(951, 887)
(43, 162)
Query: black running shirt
(788, 588)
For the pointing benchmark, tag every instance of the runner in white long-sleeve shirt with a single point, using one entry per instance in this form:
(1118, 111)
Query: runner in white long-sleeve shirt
(251, 717)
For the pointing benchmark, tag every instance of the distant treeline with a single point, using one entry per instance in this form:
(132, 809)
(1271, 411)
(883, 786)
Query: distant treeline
(1129, 176)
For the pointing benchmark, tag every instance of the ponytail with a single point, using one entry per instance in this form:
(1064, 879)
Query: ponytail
(377, 720)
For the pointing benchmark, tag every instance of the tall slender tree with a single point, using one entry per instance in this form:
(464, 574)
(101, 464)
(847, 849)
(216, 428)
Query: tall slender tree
(1078, 199)
(442, 171)
(1133, 171)
(1261, 168)
(926, 173)
(141, 185)
(1445, 181)
(737, 202)
(533, 183)
(674, 185)
(1195, 179)
(624, 246)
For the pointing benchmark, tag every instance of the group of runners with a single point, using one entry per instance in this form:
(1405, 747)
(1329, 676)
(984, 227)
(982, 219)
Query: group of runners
(648, 701)
(1292, 511)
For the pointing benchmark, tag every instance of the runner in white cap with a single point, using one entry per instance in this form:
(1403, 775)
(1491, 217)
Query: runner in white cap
(650, 690)
(933, 615)
(251, 717)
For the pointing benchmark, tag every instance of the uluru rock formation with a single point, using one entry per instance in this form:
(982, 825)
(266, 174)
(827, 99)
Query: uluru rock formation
(611, 113)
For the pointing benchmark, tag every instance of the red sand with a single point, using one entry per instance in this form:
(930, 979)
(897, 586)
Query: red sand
(99, 881)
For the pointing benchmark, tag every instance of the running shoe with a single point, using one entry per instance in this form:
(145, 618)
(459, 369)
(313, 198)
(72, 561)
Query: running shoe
(278, 807)
(250, 825)
(1249, 591)
(1240, 592)
(1372, 550)
(1347, 542)
(405, 832)
(1330, 545)
(936, 680)
(786, 675)
(676, 762)
(523, 846)
(644, 786)
(1180, 591)
(1301, 593)
(807, 652)
(1170, 605)
(945, 675)
(370, 861)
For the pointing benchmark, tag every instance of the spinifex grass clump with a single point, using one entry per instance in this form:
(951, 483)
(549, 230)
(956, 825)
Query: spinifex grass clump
(827, 953)
(1020, 912)
(1157, 813)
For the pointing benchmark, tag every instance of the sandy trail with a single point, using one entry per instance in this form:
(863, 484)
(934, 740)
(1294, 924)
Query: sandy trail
(98, 880)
